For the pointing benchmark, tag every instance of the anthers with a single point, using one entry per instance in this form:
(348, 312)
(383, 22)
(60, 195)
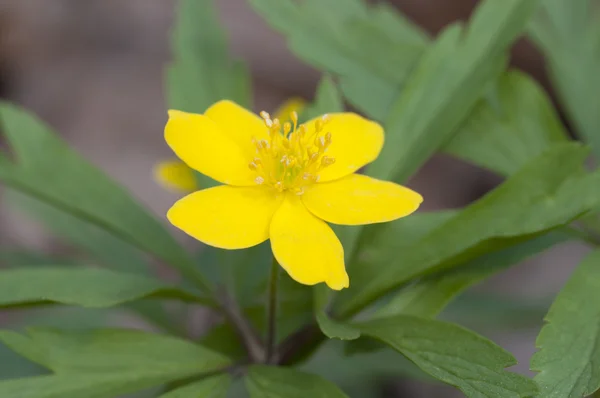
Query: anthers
(293, 156)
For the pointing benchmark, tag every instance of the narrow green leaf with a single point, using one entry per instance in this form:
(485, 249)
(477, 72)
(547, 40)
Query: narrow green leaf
(429, 296)
(568, 33)
(48, 170)
(513, 124)
(453, 355)
(446, 85)
(106, 351)
(21, 258)
(211, 387)
(569, 351)
(548, 192)
(80, 385)
(203, 72)
(86, 287)
(109, 250)
(276, 382)
(371, 49)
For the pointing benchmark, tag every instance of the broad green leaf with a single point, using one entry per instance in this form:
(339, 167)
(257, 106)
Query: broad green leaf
(429, 296)
(105, 247)
(106, 351)
(104, 385)
(48, 170)
(453, 355)
(202, 71)
(513, 124)
(211, 387)
(446, 84)
(569, 354)
(371, 49)
(550, 191)
(86, 287)
(568, 33)
(276, 382)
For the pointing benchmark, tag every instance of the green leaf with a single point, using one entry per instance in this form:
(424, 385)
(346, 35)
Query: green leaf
(275, 382)
(446, 84)
(336, 330)
(21, 258)
(81, 385)
(453, 355)
(203, 72)
(109, 250)
(429, 296)
(211, 387)
(569, 354)
(568, 33)
(513, 124)
(370, 49)
(106, 351)
(86, 287)
(327, 100)
(48, 170)
(548, 192)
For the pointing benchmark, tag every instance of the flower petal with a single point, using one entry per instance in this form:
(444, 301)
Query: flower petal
(358, 199)
(226, 217)
(293, 104)
(199, 142)
(175, 175)
(355, 142)
(241, 125)
(306, 247)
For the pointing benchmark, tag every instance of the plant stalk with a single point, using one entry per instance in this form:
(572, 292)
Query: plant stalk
(272, 312)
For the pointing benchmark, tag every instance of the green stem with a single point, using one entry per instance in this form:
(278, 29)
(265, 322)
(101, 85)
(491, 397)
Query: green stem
(272, 311)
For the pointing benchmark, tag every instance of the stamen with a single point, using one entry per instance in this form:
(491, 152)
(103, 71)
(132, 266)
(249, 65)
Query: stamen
(259, 180)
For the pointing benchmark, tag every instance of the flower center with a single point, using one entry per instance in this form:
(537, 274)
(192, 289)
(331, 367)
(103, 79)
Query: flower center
(292, 157)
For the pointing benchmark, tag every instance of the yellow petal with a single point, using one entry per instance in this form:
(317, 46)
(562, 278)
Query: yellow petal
(239, 124)
(358, 199)
(226, 217)
(355, 142)
(293, 104)
(306, 247)
(199, 142)
(175, 175)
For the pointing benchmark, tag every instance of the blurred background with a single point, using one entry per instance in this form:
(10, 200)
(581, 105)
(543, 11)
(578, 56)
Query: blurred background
(93, 70)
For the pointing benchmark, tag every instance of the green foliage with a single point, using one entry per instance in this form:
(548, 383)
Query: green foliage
(453, 355)
(48, 170)
(548, 192)
(109, 250)
(277, 382)
(568, 33)
(449, 94)
(104, 363)
(211, 387)
(512, 124)
(569, 354)
(86, 287)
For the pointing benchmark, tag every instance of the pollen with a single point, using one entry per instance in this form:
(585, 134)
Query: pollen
(293, 156)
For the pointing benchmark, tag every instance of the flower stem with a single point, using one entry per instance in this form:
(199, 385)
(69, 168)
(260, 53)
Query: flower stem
(272, 311)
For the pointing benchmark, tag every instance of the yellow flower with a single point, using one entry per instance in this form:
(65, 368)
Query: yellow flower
(177, 176)
(283, 182)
